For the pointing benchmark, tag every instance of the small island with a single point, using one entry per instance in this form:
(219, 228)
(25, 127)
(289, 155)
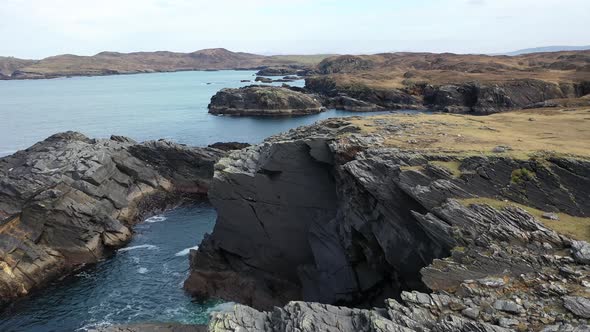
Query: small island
(264, 101)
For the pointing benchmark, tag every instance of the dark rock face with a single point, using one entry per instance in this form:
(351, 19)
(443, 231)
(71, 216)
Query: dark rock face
(359, 97)
(473, 97)
(344, 64)
(263, 101)
(277, 71)
(69, 199)
(320, 216)
(263, 79)
(486, 99)
(229, 146)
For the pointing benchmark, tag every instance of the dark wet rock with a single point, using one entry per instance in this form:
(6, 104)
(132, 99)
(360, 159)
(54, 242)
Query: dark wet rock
(263, 101)
(70, 199)
(263, 79)
(277, 71)
(229, 146)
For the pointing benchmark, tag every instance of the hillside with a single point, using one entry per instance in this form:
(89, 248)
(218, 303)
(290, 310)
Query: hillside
(109, 63)
(455, 83)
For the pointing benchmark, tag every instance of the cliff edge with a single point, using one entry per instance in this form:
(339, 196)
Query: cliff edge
(441, 222)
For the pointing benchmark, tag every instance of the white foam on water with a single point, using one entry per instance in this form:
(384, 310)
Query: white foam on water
(142, 270)
(142, 246)
(186, 251)
(154, 219)
(222, 307)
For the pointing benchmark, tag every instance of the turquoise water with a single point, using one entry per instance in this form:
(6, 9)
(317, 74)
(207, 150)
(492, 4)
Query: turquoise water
(142, 282)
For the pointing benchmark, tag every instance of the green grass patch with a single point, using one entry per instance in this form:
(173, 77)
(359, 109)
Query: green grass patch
(452, 166)
(522, 175)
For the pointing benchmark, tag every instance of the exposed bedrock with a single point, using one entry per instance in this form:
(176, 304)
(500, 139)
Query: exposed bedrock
(358, 97)
(470, 97)
(328, 215)
(69, 199)
(263, 101)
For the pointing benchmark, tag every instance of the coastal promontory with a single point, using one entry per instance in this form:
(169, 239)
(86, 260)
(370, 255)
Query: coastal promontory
(70, 200)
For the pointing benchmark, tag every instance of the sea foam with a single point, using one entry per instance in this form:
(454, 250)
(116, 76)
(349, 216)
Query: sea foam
(141, 246)
(186, 251)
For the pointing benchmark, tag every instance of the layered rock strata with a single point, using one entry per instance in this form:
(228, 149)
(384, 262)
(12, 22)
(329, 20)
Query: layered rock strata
(444, 231)
(68, 200)
(263, 101)
(472, 97)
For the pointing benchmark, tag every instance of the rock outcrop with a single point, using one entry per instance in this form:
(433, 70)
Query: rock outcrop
(263, 101)
(470, 97)
(278, 71)
(69, 199)
(475, 84)
(365, 212)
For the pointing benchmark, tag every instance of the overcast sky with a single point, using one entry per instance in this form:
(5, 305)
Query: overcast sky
(40, 28)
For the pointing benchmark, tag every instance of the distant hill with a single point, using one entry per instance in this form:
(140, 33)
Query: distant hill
(112, 63)
(548, 49)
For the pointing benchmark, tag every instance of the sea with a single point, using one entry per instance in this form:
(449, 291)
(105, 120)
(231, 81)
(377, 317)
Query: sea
(142, 282)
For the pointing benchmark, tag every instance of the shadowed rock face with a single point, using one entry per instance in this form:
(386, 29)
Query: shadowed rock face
(332, 214)
(69, 199)
(471, 97)
(263, 101)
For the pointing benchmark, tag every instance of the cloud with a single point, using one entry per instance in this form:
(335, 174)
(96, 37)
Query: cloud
(39, 28)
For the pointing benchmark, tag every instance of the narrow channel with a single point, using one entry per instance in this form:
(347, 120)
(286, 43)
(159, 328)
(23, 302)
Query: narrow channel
(140, 283)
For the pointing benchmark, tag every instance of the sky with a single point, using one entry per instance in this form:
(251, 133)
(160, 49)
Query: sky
(39, 28)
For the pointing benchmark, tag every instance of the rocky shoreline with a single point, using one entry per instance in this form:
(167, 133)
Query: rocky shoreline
(70, 200)
(258, 100)
(434, 220)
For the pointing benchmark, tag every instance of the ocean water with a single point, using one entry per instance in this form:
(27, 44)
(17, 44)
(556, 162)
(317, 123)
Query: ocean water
(143, 281)
(139, 283)
(141, 106)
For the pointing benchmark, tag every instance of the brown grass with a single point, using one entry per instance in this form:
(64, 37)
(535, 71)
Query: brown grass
(526, 133)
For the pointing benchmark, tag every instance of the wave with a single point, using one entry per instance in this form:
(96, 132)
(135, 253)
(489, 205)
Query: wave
(186, 251)
(141, 246)
(222, 307)
(154, 219)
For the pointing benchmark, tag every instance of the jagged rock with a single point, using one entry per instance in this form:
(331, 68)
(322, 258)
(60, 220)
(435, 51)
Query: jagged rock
(267, 100)
(581, 251)
(331, 214)
(70, 199)
(507, 306)
(578, 305)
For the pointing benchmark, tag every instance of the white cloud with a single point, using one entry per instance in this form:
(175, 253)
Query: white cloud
(38, 28)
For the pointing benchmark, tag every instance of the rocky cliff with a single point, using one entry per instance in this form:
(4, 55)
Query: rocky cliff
(477, 84)
(443, 222)
(69, 199)
(263, 101)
